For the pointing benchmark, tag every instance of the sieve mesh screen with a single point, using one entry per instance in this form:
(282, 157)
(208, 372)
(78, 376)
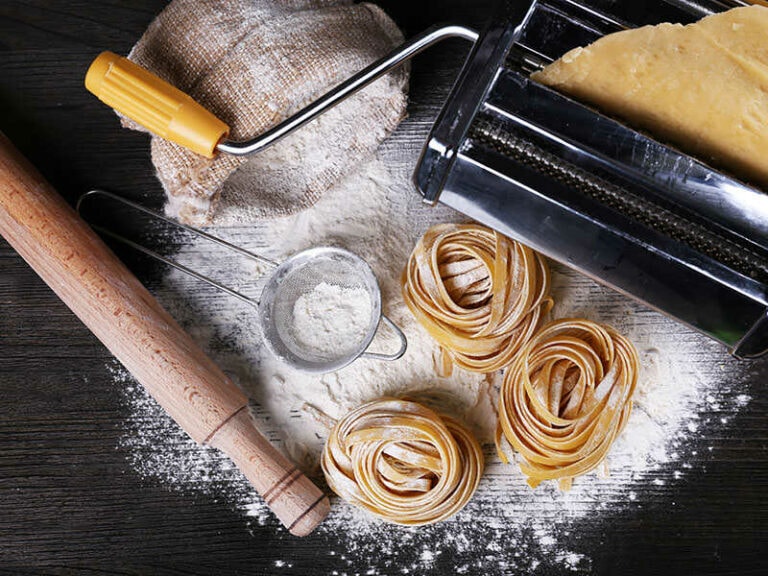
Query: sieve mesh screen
(325, 342)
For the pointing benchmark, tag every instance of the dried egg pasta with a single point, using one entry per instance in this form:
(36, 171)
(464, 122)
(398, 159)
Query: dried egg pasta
(565, 398)
(479, 294)
(402, 462)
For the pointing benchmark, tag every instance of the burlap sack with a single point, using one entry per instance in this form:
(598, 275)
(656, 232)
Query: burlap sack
(254, 63)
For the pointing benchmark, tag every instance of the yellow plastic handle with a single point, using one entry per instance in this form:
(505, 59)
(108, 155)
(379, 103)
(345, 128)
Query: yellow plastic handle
(155, 104)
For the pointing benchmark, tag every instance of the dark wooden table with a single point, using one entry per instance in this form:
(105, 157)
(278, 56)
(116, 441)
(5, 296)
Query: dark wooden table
(69, 503)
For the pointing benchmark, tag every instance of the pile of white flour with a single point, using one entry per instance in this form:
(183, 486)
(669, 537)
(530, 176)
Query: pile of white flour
(685, 381)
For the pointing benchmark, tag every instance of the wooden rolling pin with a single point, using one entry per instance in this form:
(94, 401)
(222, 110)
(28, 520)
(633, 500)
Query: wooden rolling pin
(114, 305)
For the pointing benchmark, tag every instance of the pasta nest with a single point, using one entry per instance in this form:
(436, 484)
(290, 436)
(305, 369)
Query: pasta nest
(479, 294)
(565, 399)
(402, 462)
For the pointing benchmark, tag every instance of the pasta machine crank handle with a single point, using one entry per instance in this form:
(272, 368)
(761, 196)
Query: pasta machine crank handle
(171, 114)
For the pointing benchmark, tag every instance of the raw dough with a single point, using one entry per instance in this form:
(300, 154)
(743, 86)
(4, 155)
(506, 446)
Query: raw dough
(703, 87)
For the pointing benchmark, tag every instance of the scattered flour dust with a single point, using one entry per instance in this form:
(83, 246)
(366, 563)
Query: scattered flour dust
(685, 382)
(331, 321)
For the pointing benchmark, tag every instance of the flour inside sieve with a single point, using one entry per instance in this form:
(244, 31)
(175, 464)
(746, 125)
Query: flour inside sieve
(332, 320)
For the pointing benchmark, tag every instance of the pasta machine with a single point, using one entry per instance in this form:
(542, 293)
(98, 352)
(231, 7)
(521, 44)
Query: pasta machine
(590, 192)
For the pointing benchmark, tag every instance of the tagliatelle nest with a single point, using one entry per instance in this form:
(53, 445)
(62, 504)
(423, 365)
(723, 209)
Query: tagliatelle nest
(479, 294)
(402, 462)
(565, 399)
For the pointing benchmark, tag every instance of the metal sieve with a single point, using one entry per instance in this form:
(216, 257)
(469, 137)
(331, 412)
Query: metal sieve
(301, 275)
(287, 284)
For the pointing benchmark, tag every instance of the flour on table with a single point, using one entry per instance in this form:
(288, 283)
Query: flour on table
(685, 381)
(331, 321)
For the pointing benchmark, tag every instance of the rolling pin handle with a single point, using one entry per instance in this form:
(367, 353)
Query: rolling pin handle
(295, 500)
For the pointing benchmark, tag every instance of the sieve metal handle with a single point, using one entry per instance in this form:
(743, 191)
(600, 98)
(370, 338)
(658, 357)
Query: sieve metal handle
(396, 355)
(174, 264)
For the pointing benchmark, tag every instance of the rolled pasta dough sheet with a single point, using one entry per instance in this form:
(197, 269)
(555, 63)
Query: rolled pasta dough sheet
(702, 87)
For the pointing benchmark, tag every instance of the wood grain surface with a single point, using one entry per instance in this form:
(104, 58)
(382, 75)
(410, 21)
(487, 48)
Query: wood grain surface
(70, 502)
